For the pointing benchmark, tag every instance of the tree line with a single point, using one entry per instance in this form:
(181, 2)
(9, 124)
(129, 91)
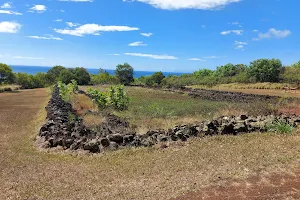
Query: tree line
(261, 70)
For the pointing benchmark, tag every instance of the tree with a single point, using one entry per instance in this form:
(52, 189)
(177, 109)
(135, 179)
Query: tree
(25, 80)
(203, 72)
(124, 73)
(157, 77)
(6, 74)
(291, 75)
(54, 73)
(66, 76)
(265, 70)
(82, 76)
(296, 65)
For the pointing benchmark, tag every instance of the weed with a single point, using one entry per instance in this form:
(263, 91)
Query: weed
(280, 127)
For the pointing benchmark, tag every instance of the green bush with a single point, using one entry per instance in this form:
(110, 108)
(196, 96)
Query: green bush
(100, 98)
(103, 78)
(280, 127)
(67, 91)
(115, 97)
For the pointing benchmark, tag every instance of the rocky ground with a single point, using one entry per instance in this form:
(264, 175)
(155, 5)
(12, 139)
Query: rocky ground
(215, 95)
(64, 128)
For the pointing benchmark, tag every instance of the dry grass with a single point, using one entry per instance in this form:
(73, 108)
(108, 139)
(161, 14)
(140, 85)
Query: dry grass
(9, 88)
(143, 173)
(153, 109)
(92, 120)
(262, 86)
(271, 92)
(81, 103)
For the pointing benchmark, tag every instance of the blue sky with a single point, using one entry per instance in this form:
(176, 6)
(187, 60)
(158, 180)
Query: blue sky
(152, 35)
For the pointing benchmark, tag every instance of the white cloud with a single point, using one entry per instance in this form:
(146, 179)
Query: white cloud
(94, 29)
(147, 34)
(62, 10)
(239, 45)
(255, 31)
(38, 8)
(9, 27)
(237, 32)
(48, 37)
(196, 59)
(114, 54)
(29, 58)
(187, 4)
(77, 0)
(212, 57)
(273, 33)
(160, 57)
(8, 12)
(6, 6)
(237, 24)
(58, 20)
(71, 24)
(137, 44)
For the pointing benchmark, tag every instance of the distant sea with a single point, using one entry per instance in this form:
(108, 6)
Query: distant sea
(36, 69)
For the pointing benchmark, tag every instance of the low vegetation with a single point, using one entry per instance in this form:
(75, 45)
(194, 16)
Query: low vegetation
(150, 173)
(152, 109)
(115, 97)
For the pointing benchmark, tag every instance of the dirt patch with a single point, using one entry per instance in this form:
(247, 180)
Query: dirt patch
(268, 186)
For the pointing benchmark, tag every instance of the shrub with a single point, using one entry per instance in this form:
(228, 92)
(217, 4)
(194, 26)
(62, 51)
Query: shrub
(67, 91)
(280, 127)
(100, 98)
(103, 78)
(115, 97)
(118, 98)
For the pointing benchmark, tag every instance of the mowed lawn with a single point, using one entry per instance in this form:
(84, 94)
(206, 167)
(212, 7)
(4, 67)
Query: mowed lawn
(144, 173)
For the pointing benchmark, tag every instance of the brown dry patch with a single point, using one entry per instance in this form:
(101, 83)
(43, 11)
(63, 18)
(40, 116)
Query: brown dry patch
(82, 104)
(142, 173)
(93, 120)
(264, 186)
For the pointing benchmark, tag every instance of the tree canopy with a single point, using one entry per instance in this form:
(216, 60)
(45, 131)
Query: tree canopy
(124, 73)
(265, 70)
(6, 74)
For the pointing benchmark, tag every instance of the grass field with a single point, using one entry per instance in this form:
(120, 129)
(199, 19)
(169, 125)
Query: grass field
(152, 109)
(143, 173)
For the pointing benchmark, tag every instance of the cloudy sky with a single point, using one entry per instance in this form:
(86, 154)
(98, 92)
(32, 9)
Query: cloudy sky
(166, 35)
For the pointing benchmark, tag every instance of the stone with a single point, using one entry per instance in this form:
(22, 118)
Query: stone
(105, 142)
(92, 146)
(128, 138)
(113, 146)
(118, 138)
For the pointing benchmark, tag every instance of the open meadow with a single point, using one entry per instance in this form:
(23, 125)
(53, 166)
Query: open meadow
(154, 108)
(28, 172)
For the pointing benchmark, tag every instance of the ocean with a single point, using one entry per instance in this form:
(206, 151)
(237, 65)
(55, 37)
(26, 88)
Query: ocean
(36, 69)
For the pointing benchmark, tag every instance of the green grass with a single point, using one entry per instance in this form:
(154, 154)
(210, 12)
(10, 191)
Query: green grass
(281, 127)
(152, 109)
